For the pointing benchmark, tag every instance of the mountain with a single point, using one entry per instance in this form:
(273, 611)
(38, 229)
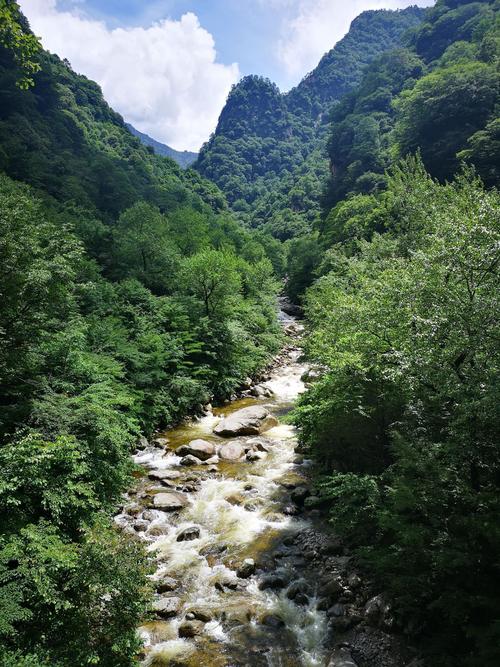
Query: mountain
(268, 152)
(438, 96)
(183, 158)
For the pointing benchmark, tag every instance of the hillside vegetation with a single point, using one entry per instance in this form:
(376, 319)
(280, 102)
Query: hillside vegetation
(129, 297)
(402, 317)
(268, 153)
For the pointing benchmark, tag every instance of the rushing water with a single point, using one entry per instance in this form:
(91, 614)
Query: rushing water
(240, 511)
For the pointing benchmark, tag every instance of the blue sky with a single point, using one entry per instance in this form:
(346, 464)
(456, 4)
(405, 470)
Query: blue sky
(168, 65)
(245, 31)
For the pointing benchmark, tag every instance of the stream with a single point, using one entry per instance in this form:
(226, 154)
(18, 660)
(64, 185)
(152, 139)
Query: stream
(233, 589)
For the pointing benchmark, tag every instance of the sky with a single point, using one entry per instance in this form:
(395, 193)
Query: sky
(167, 66)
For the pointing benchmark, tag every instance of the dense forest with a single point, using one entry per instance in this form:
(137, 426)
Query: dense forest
(402, 320)
(133, 292)
(129, 297)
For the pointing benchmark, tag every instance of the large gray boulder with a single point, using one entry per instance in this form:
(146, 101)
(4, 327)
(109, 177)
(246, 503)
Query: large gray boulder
(202, 449)
(248, 421)
(166, 607)
(231, 451)
(170, 501)
(162, 475)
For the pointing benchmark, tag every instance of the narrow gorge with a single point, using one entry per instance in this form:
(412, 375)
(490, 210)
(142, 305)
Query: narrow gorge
(248, 572)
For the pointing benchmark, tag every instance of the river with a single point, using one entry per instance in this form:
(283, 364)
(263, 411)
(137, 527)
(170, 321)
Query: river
(236, 590)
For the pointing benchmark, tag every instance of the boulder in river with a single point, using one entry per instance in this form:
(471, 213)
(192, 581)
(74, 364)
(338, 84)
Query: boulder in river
(166, 607)
(273, 581)
(247, 421)
(202, 449)
(342, 658)
(246, 569)
(190, 460)
(166, 585)
(231, 451)
(190, 629)
(161, 475)
(252, 456)
(170, 501)
(272, 621)
(299, 494)
(160, 442)
(191, 533)
(199, 615)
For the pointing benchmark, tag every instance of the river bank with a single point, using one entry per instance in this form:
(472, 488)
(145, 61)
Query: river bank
(248, 570)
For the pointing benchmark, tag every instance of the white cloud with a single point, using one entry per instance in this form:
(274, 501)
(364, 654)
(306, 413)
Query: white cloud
(164, 79)
(318, 24)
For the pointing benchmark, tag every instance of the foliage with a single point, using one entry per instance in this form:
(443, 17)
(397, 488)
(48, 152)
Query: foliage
(407, 413)
(16, 36)
(107, 331)
(438, 96)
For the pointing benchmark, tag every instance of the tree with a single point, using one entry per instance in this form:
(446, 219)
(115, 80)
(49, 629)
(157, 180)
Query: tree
(16, 36)
(212, 277)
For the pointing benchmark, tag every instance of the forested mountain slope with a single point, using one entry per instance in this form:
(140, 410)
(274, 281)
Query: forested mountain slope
(183, 158)
(268, 151)
(129, 297)
(402, 320)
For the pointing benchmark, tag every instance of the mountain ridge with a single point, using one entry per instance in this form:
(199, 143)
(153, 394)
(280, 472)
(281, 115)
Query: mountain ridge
(183, 158)
(268, 152)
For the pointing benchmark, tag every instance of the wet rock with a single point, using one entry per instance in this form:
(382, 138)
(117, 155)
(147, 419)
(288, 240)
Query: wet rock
(190, 629)
(261, 445)
(236, 499)
(246, 569)
(226, 584)
(354, 581)
(253, 457)
(289, 540)
(213, 468)
(248, 421)
(299, 495)
(166, 607)
(190, 460)
(141, 526)
(170, 501)
(202, 449)
(337, 610)
(191, 533)
(231, 451)
(333, 589)
(298, 460)
(213, 460)
(272, 621)
(342, 658)
(298, 591)
(143, 443)
(166, 585)
(272, 581)
(161, 475)
(333, 547)
(376, 611)
(199, 615)
(160, 442)
(132, 510)
(291, 485)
